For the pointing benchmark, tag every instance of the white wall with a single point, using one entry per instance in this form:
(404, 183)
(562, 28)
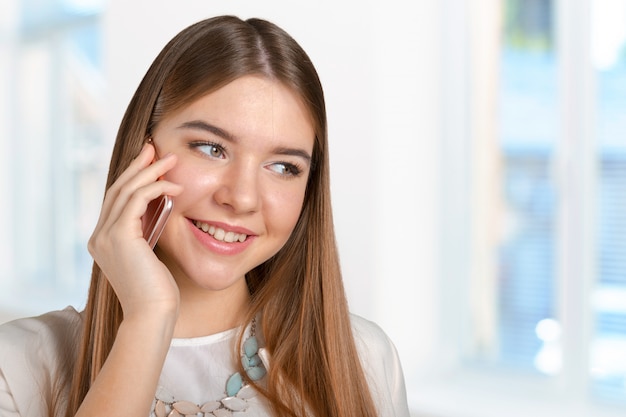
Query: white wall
(380, 68)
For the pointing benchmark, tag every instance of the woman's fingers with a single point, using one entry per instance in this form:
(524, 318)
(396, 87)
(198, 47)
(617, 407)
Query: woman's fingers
(143, 187)
(140, 173)
(139, 279)
(143, 160)
(127, 199)
(128, 223)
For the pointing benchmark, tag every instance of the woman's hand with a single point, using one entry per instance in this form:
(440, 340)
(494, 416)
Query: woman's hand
(145, 287)
(141, 281)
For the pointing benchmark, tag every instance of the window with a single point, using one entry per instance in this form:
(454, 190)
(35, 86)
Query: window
(523, 155)
(53, 153)
(536, 94)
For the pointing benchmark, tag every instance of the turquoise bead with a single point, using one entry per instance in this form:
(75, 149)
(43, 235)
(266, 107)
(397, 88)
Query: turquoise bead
(251, 347)
(245, 361)
(256, 372)
(234, 384)
(254, 361)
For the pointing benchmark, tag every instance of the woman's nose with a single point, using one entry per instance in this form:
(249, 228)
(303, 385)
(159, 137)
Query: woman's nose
(239, 187)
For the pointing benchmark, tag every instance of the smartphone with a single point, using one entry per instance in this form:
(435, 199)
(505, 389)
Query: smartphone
(156, 216)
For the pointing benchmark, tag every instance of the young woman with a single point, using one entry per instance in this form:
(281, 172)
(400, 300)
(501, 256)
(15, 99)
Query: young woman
(240, 308)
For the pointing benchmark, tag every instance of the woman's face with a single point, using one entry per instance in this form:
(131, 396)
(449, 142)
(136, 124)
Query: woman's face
(244, 154)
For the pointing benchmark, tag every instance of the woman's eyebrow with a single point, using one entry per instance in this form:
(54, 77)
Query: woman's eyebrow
(204, 126)
(293, 152)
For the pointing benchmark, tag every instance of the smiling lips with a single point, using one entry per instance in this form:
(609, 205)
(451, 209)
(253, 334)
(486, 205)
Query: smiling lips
(219, 233)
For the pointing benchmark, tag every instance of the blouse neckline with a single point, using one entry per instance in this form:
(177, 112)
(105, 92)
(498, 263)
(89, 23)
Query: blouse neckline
(204, 340)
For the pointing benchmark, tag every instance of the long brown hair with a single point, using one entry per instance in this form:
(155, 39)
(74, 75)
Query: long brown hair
(315, 368)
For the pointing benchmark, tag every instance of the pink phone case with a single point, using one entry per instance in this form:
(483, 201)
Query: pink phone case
(156, 216)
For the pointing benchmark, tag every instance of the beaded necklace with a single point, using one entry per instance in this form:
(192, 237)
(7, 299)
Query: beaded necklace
(236, 391)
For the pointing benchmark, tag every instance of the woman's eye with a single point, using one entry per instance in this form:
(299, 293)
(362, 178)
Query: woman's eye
(214, 150)
(285, 169)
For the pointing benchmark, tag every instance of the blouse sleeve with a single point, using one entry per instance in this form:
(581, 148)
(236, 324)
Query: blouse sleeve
(32, 351)
(382, 367)
(8, 408)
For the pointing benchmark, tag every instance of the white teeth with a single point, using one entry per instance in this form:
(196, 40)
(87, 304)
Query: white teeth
(220, 234)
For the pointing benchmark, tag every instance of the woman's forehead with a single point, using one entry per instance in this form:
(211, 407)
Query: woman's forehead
(250, 106)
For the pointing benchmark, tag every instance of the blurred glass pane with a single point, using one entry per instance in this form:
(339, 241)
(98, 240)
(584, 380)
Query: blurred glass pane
(608, 350)
(37, 16)
(57, 152)
(527, 334)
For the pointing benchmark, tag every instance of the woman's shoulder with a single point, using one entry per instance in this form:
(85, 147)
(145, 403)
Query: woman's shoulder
(370, 337)
(37, 342)
(382, 367)
(374, 345)
(32, 352)
(46, 329)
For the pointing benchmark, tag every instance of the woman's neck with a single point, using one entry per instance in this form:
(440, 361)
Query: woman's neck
(204, 312)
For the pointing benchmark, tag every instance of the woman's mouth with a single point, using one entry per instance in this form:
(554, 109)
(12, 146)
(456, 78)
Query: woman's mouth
(219, 233)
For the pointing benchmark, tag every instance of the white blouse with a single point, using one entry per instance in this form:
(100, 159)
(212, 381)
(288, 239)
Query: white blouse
(196, 369)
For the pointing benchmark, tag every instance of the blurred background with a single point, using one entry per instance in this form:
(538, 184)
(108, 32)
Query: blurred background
(478, 158)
